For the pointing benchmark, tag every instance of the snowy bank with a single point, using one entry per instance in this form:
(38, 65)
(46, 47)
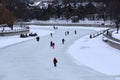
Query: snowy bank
(97, 55)
(116, 35)
(10, 40)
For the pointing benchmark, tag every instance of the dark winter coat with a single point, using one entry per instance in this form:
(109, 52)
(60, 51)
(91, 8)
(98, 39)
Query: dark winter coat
(55, 61)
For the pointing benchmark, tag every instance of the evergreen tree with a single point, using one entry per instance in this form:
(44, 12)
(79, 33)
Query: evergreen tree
(90, 9)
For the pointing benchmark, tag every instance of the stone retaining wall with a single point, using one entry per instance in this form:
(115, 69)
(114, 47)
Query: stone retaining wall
(14, 33)
(111, 42)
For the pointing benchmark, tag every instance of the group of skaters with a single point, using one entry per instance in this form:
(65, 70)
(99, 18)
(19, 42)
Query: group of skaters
(67, 32)
(55, 61)
(52, 44)
(55, 28)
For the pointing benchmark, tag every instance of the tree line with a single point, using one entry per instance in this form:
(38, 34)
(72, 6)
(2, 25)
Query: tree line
(63, 9)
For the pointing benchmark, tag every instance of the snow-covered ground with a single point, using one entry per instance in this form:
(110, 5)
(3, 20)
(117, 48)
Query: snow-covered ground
(116, 35)
(93, 53)
(97, 55)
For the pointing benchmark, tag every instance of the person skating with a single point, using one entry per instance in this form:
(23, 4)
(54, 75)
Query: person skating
(67, 32)
(53, 45)
(55, 62)
(51, 34)
(63, 40)
(75, 32)
(90, 36)
(37, 38)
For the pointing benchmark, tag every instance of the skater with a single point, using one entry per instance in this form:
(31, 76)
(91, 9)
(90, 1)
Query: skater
(90, 36)
(54, 27)
(37, 38)
(107, 32)
(63, 40)
(51, 34)
(75, 32)
(55, 62)
(67, 32)
(51, 43)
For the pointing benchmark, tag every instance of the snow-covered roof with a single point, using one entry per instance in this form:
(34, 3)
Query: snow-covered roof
(35, 3)
(41, 0)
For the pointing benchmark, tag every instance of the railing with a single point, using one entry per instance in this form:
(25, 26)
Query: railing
(98, 33)
(15, 30)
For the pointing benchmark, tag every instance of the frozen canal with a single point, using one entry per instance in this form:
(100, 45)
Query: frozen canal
(32, 60)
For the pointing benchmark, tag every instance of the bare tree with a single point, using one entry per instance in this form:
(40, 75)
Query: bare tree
(6, 17)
